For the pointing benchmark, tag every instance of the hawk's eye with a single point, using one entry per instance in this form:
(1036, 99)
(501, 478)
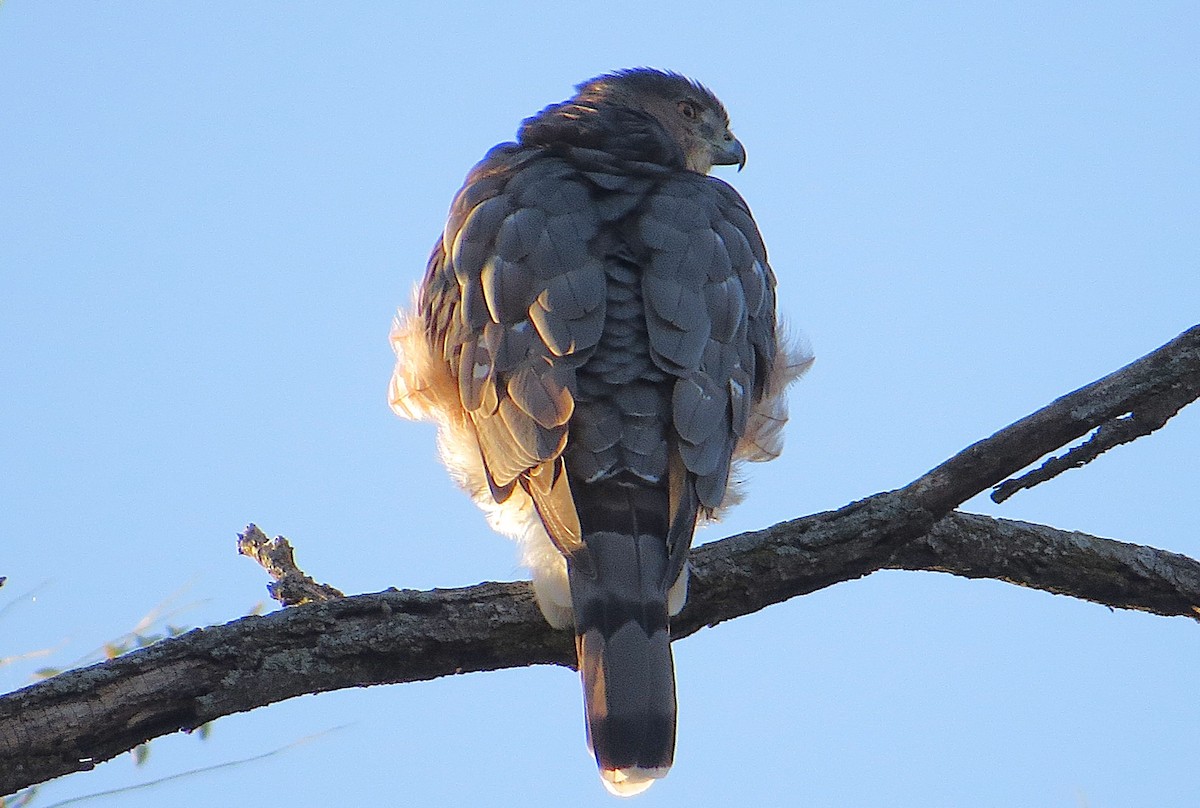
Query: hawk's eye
(688, 110)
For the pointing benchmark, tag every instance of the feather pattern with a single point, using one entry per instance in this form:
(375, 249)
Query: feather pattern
(596, 338)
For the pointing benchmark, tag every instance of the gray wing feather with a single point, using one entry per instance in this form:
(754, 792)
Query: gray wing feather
(528, 283)
(710, 319)
(516, 302)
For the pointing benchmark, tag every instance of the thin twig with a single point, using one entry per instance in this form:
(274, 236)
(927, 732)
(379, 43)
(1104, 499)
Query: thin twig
(292, 587)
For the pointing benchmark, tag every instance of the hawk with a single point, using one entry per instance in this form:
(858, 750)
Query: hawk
(596, 339)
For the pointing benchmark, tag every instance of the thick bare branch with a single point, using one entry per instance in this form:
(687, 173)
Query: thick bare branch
(72, 721)
(1104, 571)
(77, 719)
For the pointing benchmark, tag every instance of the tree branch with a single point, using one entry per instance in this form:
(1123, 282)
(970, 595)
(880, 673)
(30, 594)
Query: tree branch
(1144, 417)
(77, 719)
(1111, 573)
(292, 586)
(1170, 373)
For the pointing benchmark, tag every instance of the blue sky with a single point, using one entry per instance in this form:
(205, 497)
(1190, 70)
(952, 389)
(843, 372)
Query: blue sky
(209, 214)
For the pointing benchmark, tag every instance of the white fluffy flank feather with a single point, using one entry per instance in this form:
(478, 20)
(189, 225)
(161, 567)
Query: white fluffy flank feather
(423, 390)
(763, 439)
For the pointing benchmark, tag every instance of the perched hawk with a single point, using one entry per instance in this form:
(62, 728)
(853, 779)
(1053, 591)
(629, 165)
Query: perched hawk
(595, 337)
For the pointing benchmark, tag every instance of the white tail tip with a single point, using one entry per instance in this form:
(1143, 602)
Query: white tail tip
(634, 780)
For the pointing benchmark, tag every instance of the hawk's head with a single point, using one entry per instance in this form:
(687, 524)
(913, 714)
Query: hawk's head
(689, 112)
(644, 115)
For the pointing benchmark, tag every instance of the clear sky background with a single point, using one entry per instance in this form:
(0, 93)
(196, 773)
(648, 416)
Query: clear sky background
(210, 212)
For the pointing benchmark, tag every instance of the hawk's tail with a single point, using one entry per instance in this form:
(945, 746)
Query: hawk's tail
(623, 639)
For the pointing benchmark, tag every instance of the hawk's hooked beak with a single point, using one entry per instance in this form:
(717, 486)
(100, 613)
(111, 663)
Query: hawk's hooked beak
(729, 152)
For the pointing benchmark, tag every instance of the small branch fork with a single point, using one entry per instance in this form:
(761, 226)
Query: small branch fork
(1151, 415)
(75, 720)
(292, 586)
